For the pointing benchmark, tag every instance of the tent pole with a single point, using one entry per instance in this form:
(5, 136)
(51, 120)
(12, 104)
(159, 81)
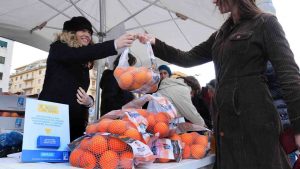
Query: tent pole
(102, 12)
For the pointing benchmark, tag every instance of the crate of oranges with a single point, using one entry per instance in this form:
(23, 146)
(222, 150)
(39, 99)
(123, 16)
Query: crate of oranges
(136, 79)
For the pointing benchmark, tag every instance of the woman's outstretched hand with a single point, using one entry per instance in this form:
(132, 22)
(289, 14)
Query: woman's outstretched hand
(144, 38)
(125, 40)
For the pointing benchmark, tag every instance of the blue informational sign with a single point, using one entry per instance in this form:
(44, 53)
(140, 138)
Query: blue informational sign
(46, 132)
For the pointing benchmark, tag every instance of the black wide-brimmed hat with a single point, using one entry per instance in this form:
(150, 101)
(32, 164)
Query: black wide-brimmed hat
(78, 23)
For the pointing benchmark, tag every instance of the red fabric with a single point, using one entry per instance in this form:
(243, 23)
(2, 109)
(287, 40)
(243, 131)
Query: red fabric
(287, 140)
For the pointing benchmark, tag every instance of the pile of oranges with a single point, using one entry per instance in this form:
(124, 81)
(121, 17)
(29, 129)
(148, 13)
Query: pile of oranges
(133, 78)
(109, 152)
(103, 152)
(10, 114)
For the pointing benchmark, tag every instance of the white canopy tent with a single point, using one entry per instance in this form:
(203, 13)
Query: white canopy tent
(180, 23)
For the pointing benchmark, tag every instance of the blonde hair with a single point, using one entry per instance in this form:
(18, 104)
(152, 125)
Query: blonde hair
(68, 38)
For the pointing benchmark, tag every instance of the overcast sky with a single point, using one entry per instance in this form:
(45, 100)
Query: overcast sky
(287, 13)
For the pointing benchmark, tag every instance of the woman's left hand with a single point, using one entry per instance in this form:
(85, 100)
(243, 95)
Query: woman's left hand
(83, 98)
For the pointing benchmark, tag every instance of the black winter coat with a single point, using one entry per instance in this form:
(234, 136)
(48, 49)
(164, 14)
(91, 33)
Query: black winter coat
(66, 72)
(247, 125)
(112, 96)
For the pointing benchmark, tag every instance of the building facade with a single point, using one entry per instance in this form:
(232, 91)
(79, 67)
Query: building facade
(5, 63)
(29, 79)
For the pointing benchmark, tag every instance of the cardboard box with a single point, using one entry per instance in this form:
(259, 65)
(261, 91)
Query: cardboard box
(11, 123)
(12, 103)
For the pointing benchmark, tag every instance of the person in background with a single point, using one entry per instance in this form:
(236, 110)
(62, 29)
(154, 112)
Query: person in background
(70, 58)
(164, 71)
(208, 93)
(198, 102)
(112, 96)
(247, 127)
(179, 94)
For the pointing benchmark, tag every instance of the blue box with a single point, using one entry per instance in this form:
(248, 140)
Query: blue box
(48, 142)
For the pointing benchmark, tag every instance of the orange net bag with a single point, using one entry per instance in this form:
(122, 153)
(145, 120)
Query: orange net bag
(108, 151)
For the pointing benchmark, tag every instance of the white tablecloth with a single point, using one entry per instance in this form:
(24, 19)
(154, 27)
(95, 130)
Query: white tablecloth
(14, 163)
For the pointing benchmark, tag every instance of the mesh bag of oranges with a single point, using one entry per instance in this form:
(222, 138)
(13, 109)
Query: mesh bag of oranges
(108, 151)
(129, 123)
(137, 79)
(195, 146)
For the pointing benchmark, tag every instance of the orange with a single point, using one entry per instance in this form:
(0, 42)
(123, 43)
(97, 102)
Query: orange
(116, 144)
(161, 128)
(75, 156)
(103, 125)
(87, 160)
(14, 114)
(117, 127)
(162, 117)
(84, 144)
(175, 137)
(109, 159)
(203, 140)
(186, 152)
(98, 144)
(91, 128)
(195, 135)
(125, 80)
(133, 133)
(187, 138)
(135, 85)
(119, 71)
(142, 112)
(5, 114)
(151, 120)
(197, 151)
(153, 89)
(141, 76)
(163, 160)
(148, 76)
(126, 160)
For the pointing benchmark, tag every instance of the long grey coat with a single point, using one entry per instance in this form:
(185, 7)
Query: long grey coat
(246, 123)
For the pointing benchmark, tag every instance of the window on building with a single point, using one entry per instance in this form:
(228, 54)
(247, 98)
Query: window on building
(16, 78)
(21, 77)
(39, 81)
(20, 85)
(93, 83)
(40, 71)
(2, 60)
(1, 75)
(3, 44)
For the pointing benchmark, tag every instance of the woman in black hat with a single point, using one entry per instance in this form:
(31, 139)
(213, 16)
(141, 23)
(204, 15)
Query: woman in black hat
(70, 58)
